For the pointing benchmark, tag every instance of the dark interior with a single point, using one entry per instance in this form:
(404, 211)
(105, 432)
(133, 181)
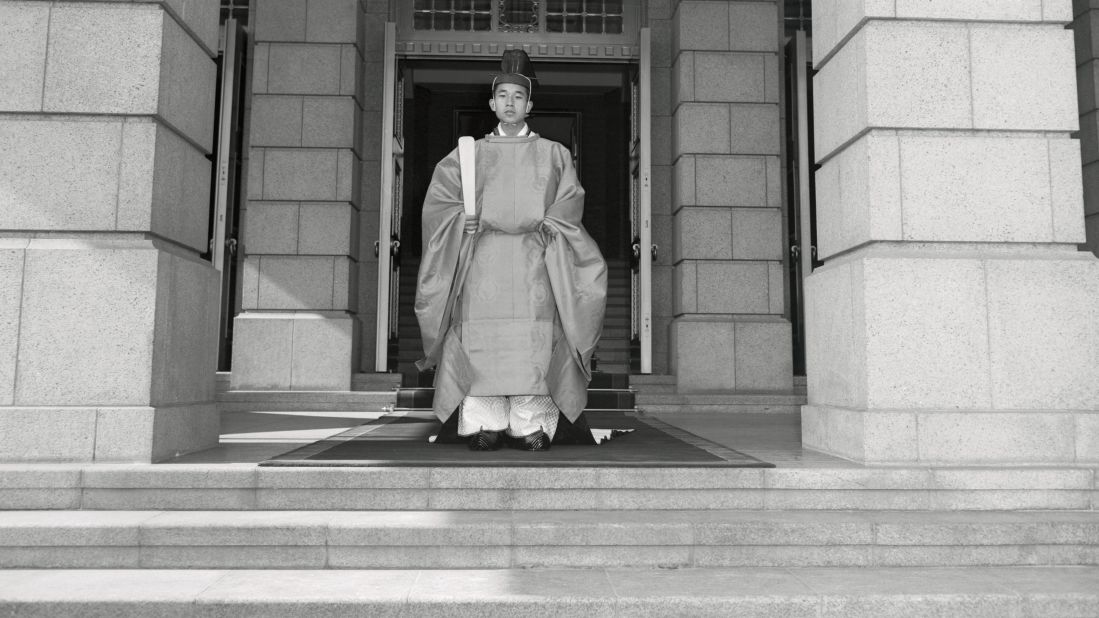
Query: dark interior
(583, 106)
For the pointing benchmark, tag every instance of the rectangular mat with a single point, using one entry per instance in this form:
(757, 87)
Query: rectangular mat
(401, 439)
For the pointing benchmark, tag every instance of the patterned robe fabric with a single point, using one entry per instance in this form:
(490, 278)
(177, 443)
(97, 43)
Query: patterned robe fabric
(517, 307)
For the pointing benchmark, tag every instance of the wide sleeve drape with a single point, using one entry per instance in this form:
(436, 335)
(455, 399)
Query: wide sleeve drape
(577, 272)
(445, 247)
(573, 265)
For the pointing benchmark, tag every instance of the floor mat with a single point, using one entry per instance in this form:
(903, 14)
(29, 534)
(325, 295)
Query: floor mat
(401, 439)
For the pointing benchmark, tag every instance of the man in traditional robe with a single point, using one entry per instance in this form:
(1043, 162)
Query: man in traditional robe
(510, 301)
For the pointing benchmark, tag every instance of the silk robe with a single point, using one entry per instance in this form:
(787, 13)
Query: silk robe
(517, 307)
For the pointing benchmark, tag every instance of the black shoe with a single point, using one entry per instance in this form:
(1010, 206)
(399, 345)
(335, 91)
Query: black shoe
(537, 441)
(486, 441)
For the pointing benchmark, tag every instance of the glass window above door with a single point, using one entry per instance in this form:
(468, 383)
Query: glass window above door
(564, 28)
(563, 16)
(453, 15)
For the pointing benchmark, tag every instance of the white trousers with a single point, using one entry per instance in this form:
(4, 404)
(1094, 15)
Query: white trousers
(520, 415)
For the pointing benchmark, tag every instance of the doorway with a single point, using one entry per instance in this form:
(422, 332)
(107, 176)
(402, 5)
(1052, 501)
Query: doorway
(584, 106)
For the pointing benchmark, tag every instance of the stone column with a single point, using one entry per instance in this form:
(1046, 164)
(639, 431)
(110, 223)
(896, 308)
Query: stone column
(108, 314)
(1086, 26)
(298, 329)
(729, 332)
(954, 320)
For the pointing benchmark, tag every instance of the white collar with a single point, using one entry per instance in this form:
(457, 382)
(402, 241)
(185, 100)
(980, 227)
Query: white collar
(525, 131)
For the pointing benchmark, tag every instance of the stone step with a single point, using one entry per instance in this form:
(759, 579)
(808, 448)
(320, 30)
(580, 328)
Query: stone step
(654, 383)
(618, 356)
(542, 539)
(665, 385)
(375, 381)
(730, 402)
(613, 328)
(598, 398)
(817, 592)
(248, 487)
(318, 401)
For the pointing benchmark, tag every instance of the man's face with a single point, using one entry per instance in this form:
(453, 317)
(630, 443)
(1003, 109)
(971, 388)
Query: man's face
(511, 102)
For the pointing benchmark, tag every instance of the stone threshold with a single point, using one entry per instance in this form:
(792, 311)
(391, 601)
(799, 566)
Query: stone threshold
(239, 486)
(817, 592)
(533, 539)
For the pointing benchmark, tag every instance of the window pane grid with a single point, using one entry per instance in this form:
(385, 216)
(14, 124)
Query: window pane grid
(519, 16)
(584, 16)
(237, 9)
(452, 15)
(797, 15)
(592, 17)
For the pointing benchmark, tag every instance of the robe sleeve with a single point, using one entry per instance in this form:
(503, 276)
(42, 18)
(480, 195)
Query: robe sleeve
(577, 271)
(445, 260)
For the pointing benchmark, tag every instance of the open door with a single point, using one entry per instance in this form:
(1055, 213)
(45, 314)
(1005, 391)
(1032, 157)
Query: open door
(388, 246)
(643, 251)
(225, 215)
(802, 212)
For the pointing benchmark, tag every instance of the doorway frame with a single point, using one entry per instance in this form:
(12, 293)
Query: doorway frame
(393, 53)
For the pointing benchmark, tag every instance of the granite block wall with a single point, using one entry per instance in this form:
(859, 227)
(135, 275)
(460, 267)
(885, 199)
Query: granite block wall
(727, 251)
(302, 219)
(954, 320)
(108, 315)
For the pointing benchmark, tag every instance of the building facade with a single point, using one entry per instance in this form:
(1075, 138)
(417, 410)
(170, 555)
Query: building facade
(935, 292)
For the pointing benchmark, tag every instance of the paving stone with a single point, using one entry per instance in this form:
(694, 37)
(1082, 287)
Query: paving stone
(592, 528)
(882, 499)
(40, 498)
(31, 476)
(418, 528)
(779, 478)
(169, 499)
(971, 606)
(508, 478)
(1057, 591)
(1014, 478)
(187, 528)
(307, 593)
(234, 557)
(71, 528)
(166, 477)
(994, 555)
(591, 556)
(547, 592)
(61, 557)
(782, 556)
(961, 529)
(341, 499)
(438, 557)
(1009, 499)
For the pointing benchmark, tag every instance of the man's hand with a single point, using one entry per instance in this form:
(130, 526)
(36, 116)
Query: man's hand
(472, 223)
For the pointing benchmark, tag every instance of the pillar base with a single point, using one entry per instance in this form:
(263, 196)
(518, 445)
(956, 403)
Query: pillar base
(724, 353)
(979, 354)
(951, 437)
(140, 434)
(293, 351)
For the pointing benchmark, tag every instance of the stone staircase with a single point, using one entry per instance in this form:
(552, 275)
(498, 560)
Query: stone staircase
(823, 537)
(237, 539)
